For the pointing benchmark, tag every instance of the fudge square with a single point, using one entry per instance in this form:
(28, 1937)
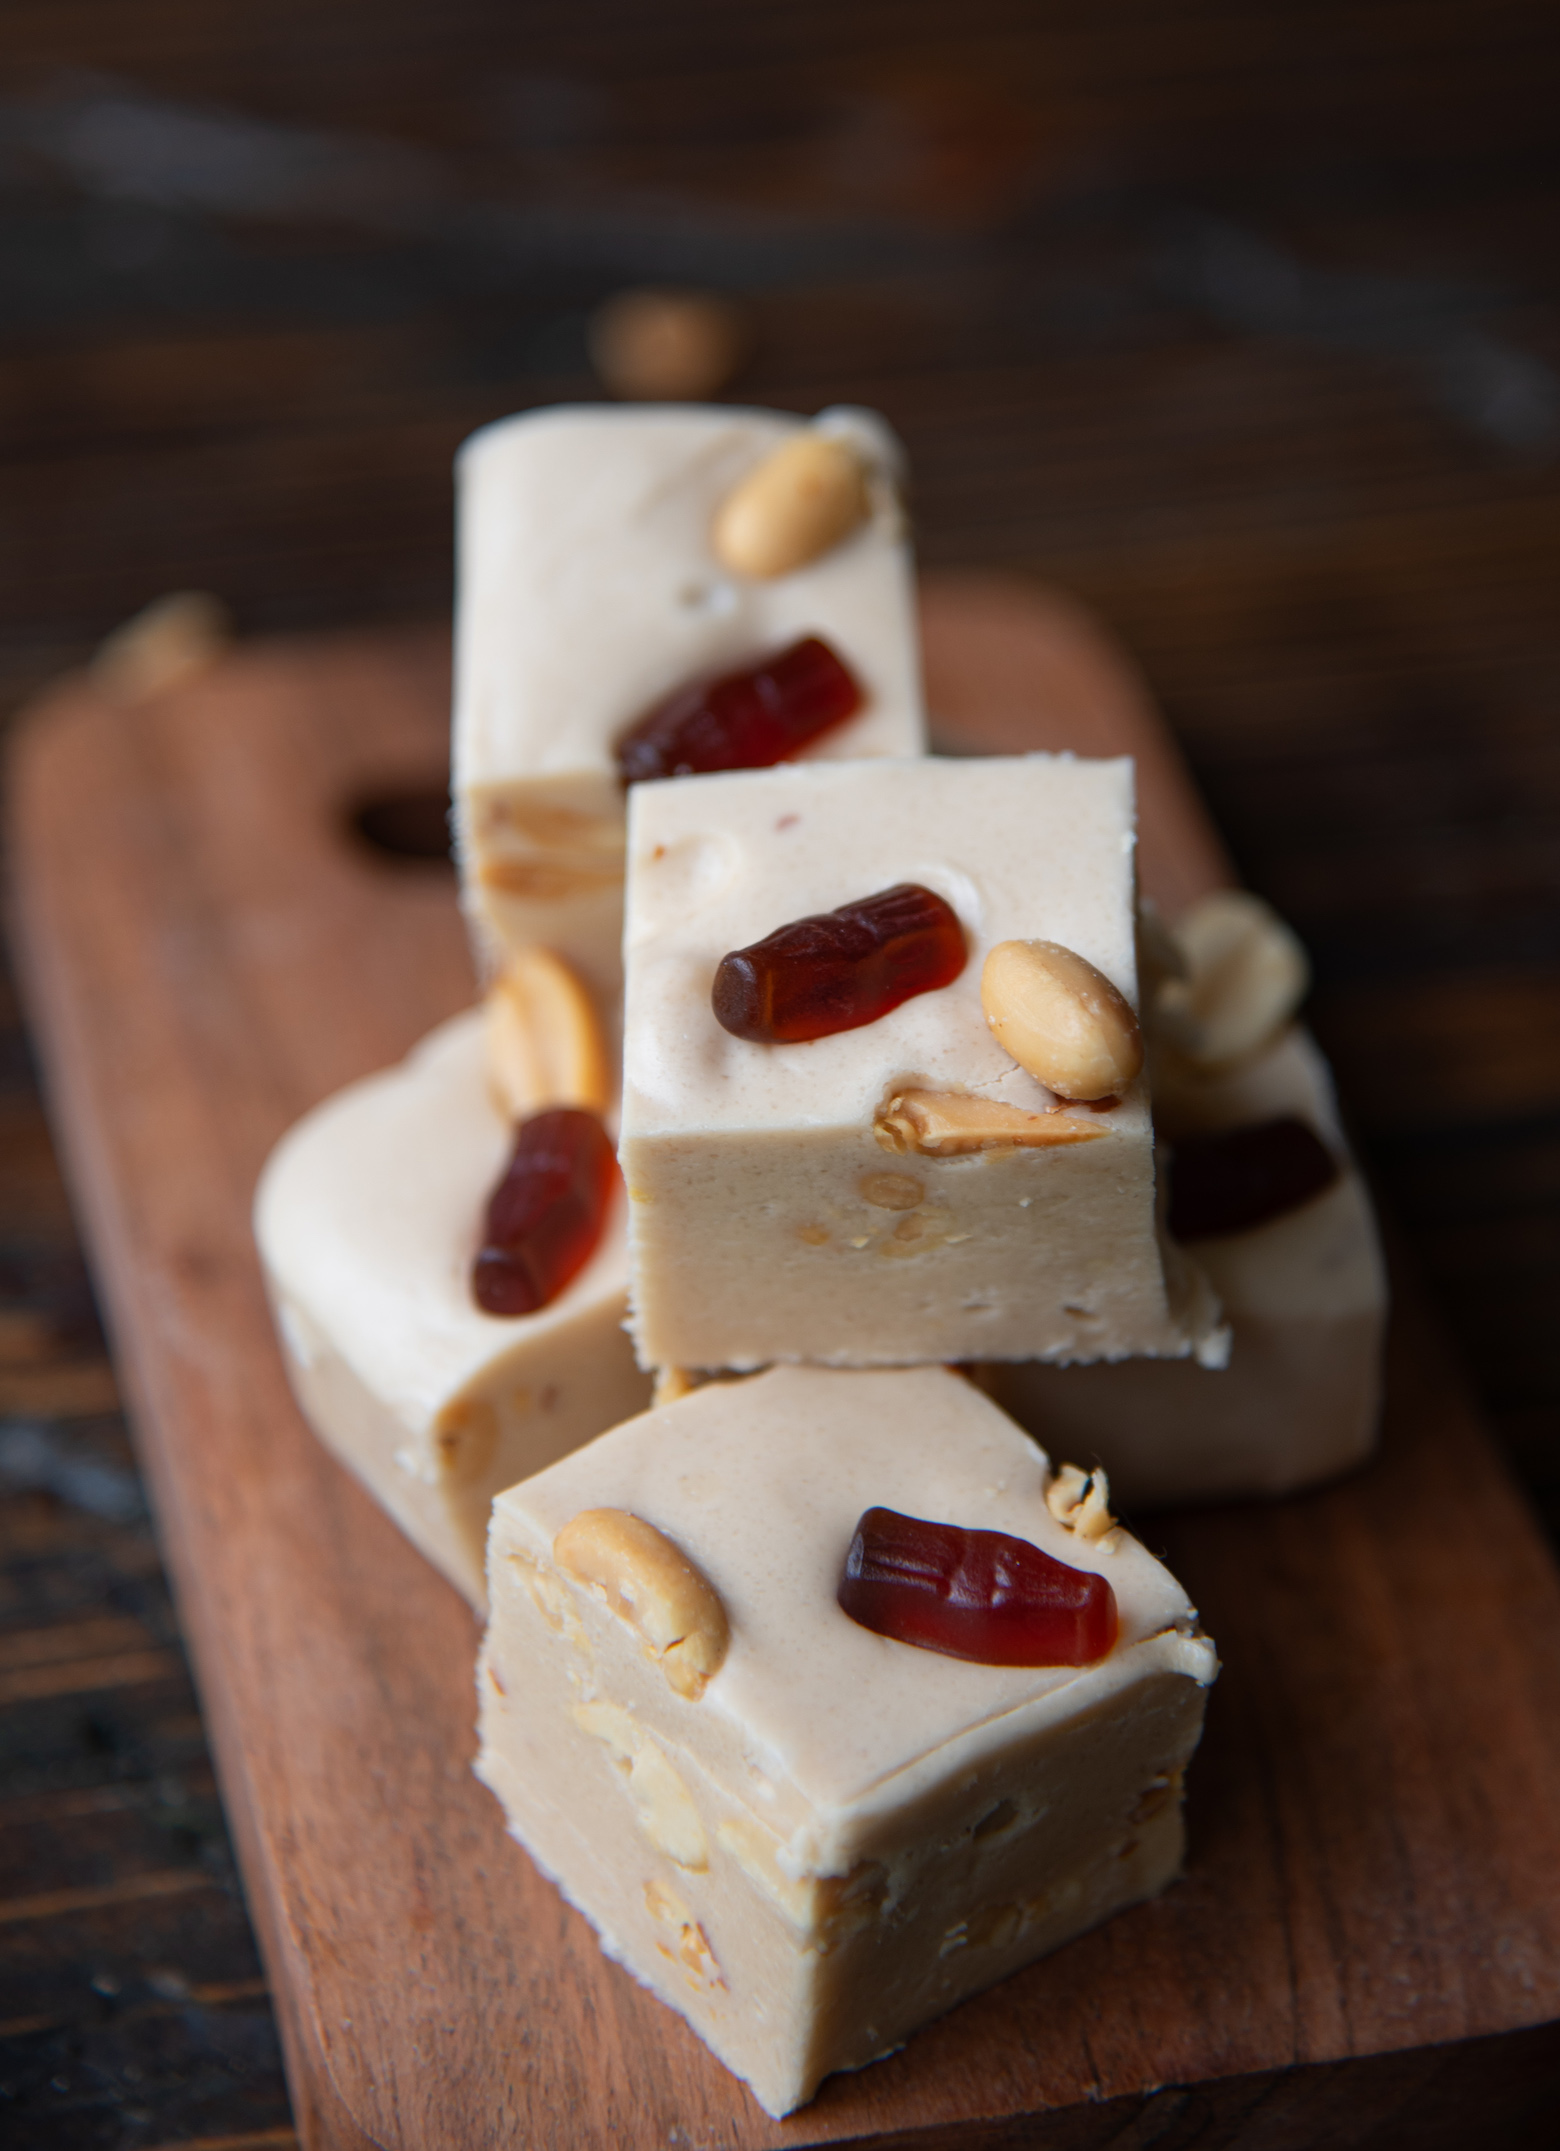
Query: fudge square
(779, 1209)
(367, 1216)
(821, 1839)
(588, 589)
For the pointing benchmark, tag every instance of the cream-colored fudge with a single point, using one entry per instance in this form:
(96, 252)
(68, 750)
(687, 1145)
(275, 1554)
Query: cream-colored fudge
(768, 1220)
(1305, 1296)
(843, 1835)
(588, 590)
(368, 1215)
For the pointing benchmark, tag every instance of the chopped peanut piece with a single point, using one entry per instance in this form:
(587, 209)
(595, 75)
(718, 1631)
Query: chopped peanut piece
(1080, 1500)
(1065, 1492)
(1092, 1517)
(947, 1124)
(671, 1383)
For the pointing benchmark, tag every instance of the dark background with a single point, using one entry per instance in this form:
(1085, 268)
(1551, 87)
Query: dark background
(1241, 321)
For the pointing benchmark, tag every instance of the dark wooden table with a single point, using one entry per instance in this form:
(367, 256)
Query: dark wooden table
(1243, 322)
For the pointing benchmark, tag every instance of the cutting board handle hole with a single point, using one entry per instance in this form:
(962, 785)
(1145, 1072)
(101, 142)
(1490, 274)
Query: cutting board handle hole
(408, 824)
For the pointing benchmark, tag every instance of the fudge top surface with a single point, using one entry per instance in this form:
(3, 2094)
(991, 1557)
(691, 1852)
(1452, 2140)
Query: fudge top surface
(369, 1210)
(587, 589)
(762, 1482)
(1028, 847)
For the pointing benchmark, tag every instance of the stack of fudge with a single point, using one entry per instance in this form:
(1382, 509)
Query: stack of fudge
(808, 1677)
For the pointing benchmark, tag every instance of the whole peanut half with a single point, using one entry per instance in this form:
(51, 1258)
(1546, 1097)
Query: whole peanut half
(169, 642)
(801, 501)
(649, 1582)
(544, 1045)
(1061, 1018)
(667, 346)
(1246, 975)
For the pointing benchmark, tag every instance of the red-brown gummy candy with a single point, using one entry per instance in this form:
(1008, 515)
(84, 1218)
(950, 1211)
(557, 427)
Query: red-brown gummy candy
(744, 720)
(1234, 1179)
(839, 969)
(544, 1218)
(979, 1595)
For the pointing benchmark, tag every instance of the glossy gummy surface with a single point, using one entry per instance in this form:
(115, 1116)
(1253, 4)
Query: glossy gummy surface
(545, 1217)
(980, 1595)
(1234, 1179)
(749, 719)
(838, 970)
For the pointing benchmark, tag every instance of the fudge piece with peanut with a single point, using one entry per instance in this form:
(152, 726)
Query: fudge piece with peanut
(884, 1097)
(616, 565)
(829, 1705)
(370, 1222)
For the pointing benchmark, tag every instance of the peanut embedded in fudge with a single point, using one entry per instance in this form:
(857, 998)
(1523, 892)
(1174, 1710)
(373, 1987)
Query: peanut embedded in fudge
(828, 1838)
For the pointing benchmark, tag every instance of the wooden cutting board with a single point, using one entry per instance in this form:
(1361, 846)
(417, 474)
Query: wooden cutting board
(1366, 1947)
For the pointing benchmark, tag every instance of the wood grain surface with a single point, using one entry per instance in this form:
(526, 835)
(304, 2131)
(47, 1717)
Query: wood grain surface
(1375, 1867)
(1240, 321)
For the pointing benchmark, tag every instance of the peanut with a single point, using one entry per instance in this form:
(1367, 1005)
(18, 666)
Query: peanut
(544, 1045)
(667, 346)
(1066, 1492)
(663, 1903)
(951, 1124)
(799, 503)
(169, 642)
(516, 813)
(1092, 1517)
(547, 877)
(1061, 1018)
(662, 1802)
(1157, 1795)
(1248, 975)
(650, 1583)
(697, 1959)
(891, 1191)
(667, 1814)
(672, 1384)
(1080, 1501)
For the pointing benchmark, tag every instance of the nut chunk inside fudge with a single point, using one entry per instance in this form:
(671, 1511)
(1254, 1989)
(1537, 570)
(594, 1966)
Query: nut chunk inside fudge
(807, 1836)
(593, 583)
(902, 1190)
